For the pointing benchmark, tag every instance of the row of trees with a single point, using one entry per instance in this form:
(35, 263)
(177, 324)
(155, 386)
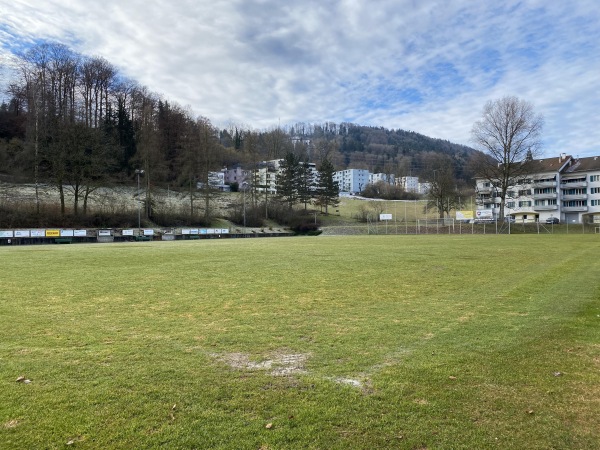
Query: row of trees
(298, 182)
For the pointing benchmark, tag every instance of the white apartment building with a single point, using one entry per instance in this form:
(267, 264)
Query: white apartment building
(266, 175)
(410, 184)
(352, 180)
(423, 188)
(563, 188)
(385, 177)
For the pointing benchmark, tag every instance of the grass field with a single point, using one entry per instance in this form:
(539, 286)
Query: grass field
(416, 342)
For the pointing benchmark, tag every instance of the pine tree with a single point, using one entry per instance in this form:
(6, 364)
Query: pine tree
(306, 183)
(328, 190)
(287, 179)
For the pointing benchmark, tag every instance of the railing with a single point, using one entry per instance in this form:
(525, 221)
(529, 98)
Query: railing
(545, 196)
(573, 185)
(574, 208)
(544, 184)
(545, 208)
(574, 196)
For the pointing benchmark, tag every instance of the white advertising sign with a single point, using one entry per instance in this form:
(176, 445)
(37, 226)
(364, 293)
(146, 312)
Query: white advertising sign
(225, 231)
(127, 232)
(202, 230)
(484, 214)
(210, 231)
(385, 217)
(6, 234)
(80, 233)
(66, 233)
(148, 232)
(21, 233)
(38, 233)
(103, 232)
(185, 231)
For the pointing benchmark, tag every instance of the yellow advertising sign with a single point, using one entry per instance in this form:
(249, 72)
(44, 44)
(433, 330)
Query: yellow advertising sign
(464, 215)
(52, 233)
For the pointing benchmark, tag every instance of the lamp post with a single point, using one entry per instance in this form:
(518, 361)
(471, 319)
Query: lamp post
(139, 172)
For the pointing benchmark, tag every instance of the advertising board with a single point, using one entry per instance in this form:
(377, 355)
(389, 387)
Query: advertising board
(484, 214)
(464, 215)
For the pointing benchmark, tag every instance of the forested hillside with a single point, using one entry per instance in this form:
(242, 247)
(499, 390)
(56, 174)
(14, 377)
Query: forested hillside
(75, 122)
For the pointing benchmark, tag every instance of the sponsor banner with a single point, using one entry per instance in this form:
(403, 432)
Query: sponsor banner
(385, 217)
(185, 231)
(104, 233)
(210, 231)
(194, 231)
(202, 230)
(66, 233)
(225, 231)
(6, 234)
(464, 215)
(52, 233)
(148, 232)
(80, 233)
(37, 233)
(127, 232)
(484, 214)
(21, 233)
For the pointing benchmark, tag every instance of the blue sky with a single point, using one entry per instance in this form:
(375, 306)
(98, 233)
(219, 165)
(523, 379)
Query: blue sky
(425, 66)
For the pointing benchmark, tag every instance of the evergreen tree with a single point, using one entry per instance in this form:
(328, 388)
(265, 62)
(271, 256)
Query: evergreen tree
(328, 191)
(287, 179)
(306, 183)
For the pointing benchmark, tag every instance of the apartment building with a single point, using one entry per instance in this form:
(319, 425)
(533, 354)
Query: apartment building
(385, 177)
(566, 188)
(352, 181)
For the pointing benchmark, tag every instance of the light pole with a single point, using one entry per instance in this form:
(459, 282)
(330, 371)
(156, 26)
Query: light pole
(139, 172)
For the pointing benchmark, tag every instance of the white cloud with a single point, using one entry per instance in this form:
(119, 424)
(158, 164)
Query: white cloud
(426, 66)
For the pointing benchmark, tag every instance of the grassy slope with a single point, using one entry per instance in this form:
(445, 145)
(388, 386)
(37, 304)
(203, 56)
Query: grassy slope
(454, 341)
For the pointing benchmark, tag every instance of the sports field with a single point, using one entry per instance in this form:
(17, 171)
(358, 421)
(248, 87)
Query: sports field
(370, 342)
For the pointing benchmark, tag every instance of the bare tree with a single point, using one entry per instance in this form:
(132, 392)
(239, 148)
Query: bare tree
(509, 135)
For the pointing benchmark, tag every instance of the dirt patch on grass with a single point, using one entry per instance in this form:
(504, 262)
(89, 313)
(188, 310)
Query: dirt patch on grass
(277, 364)
(11, 423)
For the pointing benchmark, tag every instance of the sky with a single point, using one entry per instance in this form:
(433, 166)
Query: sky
(419, 65)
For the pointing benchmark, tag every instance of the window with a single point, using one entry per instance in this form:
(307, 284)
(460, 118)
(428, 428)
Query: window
(510, 204)
(574, 192)
(524, 192)
(594, 177)
(524, 204)
(544, 191)
(574, 203)
(595, 190)
(595, 202)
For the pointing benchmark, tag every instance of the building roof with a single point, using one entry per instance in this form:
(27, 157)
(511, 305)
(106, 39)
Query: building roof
(584, 165)
(555, 164)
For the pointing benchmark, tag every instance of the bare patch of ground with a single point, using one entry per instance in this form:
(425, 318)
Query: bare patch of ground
(11, 423)
(277, 364)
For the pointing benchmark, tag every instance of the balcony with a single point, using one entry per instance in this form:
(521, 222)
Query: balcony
(568, 209)
(546, 208)
(574, 185)
(543, 184)
(574, 197)
(483, 190)
(545, 196)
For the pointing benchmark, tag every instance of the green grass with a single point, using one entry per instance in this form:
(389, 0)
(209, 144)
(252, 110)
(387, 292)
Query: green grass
(394, 341)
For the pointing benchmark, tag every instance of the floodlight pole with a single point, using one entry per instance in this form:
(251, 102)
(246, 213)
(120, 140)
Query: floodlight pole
(139, 172)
